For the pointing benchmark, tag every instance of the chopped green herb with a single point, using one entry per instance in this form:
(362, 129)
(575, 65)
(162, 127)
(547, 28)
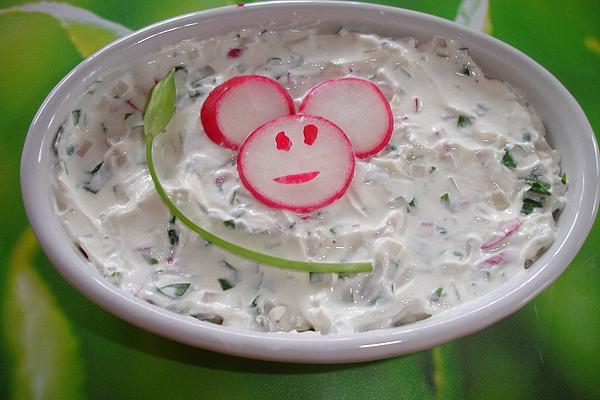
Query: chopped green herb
(508, 161)
(537, 173)
(225, 284)
(127, 115)
(563, 179)
(432, 169)
(527, 137)
(315, 277)
(149, 259)
(174, 290)
(83, 253)
(173, 236)
(529, 205)
(58, 133)
(332, 230)
(540, 187)
(70, 150)
(96, 168)
(441, 230)
(233, 197)
(229, 224)
(75, 114)
(104, 128)
(445, 198)
(212, 318)
(173, 219)
(463, 120)
(556, 214)
(254, 305)
(227, 265)
(437, 294)
(466, 70)
(412, 203)
(193, 93)
(90, 189)
(392, 147)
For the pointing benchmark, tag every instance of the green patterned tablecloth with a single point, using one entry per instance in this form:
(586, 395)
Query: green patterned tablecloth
(55, 344)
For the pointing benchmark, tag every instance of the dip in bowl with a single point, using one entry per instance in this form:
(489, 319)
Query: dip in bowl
(567, 131)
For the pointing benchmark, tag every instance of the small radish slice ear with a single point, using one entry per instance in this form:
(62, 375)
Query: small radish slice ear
(282, 170)
(240, 105)
(358, 107)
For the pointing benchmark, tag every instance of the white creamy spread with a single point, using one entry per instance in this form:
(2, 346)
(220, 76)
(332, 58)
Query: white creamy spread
(463, 198)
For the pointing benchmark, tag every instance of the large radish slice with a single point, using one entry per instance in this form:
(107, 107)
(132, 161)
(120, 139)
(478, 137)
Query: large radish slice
(358, 107)
(297, 162)
(240, 105)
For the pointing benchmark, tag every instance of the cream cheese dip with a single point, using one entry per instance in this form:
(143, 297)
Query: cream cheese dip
(463, 197)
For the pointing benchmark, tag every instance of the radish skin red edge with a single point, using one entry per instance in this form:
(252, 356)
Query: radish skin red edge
(225, 116)
(297, 162)
(358, 107)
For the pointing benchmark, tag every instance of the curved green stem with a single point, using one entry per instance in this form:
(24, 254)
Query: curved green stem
(347, 268)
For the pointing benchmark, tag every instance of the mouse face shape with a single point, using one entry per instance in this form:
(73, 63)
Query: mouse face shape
(297, 162)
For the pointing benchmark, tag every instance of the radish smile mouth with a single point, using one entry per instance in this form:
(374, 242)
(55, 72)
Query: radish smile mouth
(296, 179)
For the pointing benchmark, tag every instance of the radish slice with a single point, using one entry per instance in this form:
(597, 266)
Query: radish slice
(240, 105)
(507, 231)
(297, 162)
(358, 107)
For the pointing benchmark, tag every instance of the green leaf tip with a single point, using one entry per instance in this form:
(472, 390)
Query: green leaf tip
(161, 106)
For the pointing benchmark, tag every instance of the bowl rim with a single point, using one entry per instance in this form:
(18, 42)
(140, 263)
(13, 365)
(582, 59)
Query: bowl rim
(293, 347)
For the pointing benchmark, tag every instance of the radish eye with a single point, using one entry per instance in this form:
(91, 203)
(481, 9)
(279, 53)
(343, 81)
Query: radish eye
(283, 142)
(310, 134)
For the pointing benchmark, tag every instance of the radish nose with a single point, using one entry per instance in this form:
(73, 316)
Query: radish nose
(310, 134)
(283, 142)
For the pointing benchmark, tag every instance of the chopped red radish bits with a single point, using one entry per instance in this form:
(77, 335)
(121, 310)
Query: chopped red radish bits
(507, 231)
(358, 107)
(498, 259)
(240, 105)
(297, 162)
(234, 53)
(418, 105)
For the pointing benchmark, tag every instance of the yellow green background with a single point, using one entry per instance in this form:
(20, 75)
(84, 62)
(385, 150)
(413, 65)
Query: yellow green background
(55, 344)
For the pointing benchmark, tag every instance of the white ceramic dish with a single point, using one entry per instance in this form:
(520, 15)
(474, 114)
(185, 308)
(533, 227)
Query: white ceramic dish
(568, 131)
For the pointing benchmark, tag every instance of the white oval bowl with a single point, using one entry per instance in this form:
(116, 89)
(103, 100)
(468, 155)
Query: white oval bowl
(568, 131)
